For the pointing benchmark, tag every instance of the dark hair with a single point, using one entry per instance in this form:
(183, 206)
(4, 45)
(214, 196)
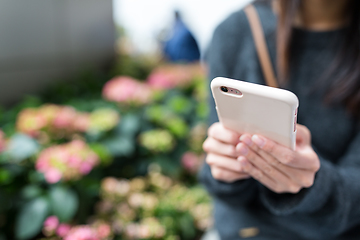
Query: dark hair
(345, 86)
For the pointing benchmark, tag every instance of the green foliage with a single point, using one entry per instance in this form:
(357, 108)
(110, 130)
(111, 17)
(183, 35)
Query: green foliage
(21, 147)
(64, 202)
(31, 217)
(127, 140)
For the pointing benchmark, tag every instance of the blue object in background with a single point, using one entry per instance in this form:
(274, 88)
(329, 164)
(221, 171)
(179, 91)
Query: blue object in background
(182, 46)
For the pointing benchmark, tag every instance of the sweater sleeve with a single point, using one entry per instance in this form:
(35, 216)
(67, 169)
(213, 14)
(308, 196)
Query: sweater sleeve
(220, 58)
(334, 196)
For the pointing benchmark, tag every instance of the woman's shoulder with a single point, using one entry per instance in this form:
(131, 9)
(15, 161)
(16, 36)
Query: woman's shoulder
(237, 24)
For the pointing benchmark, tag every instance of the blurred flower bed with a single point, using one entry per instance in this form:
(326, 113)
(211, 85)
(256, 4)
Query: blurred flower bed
(110, 156)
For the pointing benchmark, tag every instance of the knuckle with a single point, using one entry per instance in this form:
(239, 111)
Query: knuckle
(289, 157)
(210, 159)
(230, 179)
(238, 167)
(217, 173)
(273, 162)
(257, 174)
(270, 147)
(232, 151)
(317, 165)
(268, 169)
(234, 138)
(212, 129)
(294, 188)
(206, 145)
(278, 189)
(308, 182)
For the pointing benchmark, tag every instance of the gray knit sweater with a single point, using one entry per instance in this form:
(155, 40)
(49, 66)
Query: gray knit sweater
(330, 209)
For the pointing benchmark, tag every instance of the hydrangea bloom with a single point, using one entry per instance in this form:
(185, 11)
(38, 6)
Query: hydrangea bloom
(29, 121)
(63, 229)
(50, 224)
(191, 162)
(103, 119)
(170, 76)
(96, 231)
(49, 117)
(157, 140)
(67, 161)
(127, 90)
(60, 121)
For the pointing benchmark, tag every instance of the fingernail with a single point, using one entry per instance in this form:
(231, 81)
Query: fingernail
(246, 140)
(243, 150)
(258, 141)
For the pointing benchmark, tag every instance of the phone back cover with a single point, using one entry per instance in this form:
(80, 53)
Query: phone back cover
(262, 110)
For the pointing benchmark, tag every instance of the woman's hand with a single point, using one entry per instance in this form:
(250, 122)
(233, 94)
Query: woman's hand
(221, 154)
(280, 169)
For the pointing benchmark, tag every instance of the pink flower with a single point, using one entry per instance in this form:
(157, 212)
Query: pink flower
(30, 122)
(161, 81)
(74, 161)
(63, 229)
(109, 184)
(170, 76)
(127, 90)
(103, 230)
(81, 122)
(68, 161)
(82, 233)
(51, 223)
(49, 112)
(85, 168)
(65, 118)
(53, 175)
(191, 162)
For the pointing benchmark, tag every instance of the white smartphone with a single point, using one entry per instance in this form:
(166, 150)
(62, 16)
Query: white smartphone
(256, 109)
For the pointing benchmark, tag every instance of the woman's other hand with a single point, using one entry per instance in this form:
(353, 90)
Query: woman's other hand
(280, 169)
(220, 147)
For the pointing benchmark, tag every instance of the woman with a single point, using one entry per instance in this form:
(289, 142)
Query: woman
(261, 189)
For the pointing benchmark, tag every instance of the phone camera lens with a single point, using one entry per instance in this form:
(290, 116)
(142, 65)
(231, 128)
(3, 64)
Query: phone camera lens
(224, 89)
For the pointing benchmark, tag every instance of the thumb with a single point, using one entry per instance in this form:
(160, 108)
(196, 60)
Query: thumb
(303, 135)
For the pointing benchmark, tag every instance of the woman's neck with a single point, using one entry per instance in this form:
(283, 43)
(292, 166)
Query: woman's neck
(322, 15)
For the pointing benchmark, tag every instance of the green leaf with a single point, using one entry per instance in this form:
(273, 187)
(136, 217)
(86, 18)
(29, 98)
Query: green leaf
(64, 203)
(186, 224)
(129, 125)
(5, 176)
(120, 146)
(180, 104)
(31, 217)
(31, 191)
(177, 126)
(102, 152)
(21, 147)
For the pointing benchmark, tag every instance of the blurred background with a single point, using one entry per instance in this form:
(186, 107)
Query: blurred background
(102, 118)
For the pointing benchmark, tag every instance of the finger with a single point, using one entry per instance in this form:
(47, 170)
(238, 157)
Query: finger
(219, 132)
(258, 161)
(299, 176)
(257, 174)
(303, 136)
(224, 162)
(286, 187)
(212, 145)
(246, 138)
(224, 175)
(283, 154)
